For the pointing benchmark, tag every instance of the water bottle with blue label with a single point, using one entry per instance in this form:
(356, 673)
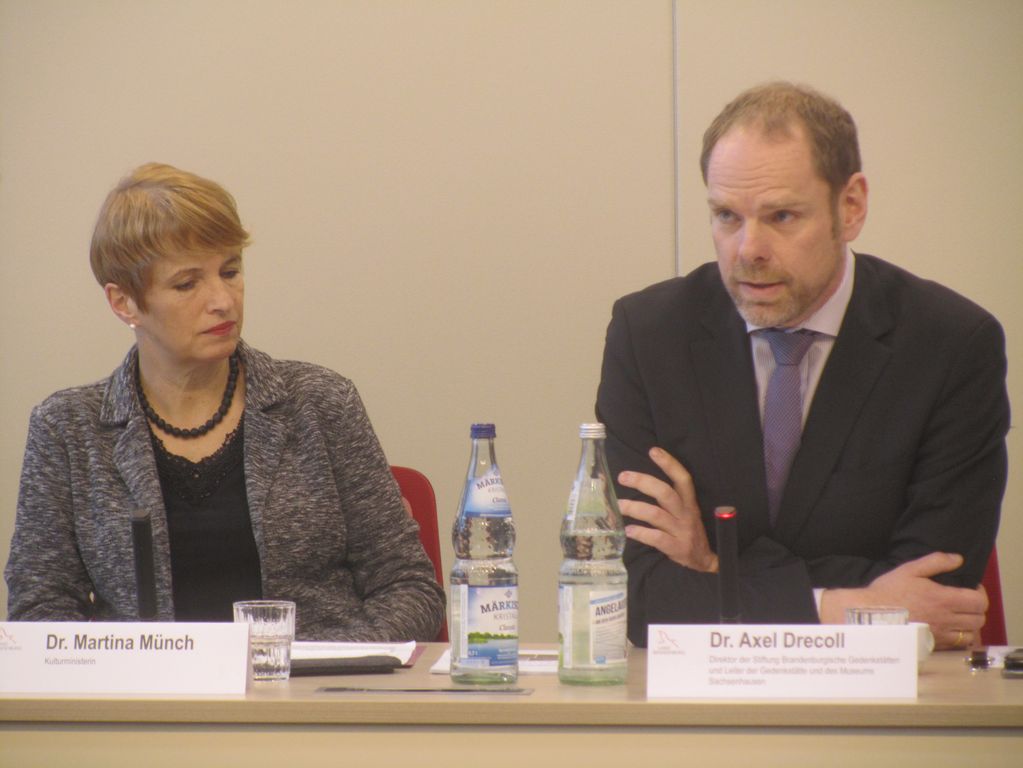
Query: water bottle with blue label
(484, 582)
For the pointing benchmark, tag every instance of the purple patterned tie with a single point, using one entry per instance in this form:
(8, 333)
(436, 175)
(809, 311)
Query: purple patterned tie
(783, 410)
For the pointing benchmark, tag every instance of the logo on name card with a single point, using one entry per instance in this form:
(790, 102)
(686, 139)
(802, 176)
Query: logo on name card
(665, 643)
(7, 641)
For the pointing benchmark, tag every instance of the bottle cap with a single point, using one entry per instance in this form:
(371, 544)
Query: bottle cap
(482, 430)
(592, 430)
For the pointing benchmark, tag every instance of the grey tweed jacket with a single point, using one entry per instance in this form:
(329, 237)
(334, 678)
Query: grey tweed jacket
(329, 524)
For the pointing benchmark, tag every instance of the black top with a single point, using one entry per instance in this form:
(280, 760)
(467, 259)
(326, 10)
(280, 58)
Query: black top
(214, 560)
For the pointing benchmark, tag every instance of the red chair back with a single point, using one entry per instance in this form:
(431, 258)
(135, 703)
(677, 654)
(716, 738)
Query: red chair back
(993, 631)
(416, 489)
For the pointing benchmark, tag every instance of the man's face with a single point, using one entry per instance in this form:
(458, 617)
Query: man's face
(779, 241)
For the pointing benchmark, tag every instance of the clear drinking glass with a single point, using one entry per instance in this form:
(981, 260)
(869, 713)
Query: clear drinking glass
(877, 614)
(271, 632)
(893, 614)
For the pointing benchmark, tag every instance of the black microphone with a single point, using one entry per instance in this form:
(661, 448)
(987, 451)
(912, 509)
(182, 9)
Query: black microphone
(728, 565)
(145, 578)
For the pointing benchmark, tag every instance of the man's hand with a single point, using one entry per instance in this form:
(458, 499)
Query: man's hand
(955, 614)
(676, 528)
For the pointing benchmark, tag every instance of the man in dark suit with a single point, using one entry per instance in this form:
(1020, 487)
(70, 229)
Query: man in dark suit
(894, 490)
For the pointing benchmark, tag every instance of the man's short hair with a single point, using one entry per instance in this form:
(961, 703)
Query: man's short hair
(774, 108)
(155, 211)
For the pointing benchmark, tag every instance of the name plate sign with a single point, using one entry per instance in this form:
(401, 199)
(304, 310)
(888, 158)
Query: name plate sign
(123, 657)
(797, 661)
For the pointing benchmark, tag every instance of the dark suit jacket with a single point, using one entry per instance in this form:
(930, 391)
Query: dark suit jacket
(903, 452)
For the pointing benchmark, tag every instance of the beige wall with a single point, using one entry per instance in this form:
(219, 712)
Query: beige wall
(446, 196)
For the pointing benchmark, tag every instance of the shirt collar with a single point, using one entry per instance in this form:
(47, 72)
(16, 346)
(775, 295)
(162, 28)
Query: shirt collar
(828, 319)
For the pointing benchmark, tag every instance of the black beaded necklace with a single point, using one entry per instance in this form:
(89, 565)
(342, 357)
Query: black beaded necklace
(225, 405)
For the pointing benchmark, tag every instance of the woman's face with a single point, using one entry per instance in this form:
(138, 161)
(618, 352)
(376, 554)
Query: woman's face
(194, 307)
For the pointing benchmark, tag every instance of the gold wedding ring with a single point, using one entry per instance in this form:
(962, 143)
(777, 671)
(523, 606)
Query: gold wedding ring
(959, 640)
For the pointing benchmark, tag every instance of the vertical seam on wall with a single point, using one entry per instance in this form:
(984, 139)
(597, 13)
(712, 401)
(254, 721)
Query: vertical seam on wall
(674, 134)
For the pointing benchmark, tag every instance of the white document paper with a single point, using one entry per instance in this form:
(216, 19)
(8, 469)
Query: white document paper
(123, 657)
(305, 649)
(531, 662)
(798, 661)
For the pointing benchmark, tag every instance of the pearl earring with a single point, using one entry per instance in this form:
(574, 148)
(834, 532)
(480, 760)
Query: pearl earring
(132, 326)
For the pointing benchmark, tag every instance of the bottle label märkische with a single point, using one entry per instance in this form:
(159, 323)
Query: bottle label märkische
(489, 622)
(485, 496)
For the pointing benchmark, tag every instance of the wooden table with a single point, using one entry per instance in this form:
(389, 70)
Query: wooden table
(961, 718)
